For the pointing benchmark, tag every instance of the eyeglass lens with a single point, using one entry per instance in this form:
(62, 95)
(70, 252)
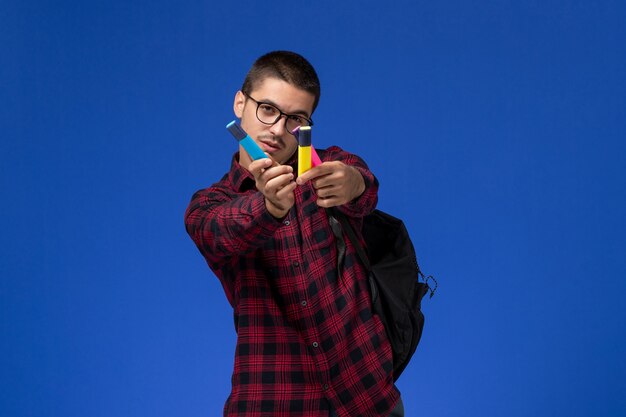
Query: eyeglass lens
(268, 114)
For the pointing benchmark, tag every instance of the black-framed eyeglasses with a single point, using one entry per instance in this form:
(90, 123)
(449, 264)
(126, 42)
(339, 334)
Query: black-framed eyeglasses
(269, 114)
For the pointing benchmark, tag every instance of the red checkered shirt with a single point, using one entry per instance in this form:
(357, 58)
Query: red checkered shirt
(306, 335)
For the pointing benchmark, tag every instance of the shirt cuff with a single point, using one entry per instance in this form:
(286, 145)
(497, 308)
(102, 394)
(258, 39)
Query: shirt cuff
(366, 202)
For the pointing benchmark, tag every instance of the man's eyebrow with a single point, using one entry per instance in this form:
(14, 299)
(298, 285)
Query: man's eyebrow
(296, 112)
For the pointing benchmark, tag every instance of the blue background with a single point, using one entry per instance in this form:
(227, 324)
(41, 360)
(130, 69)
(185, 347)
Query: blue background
(497, 130)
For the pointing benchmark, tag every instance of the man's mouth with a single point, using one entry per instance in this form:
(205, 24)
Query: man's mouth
(269, 146)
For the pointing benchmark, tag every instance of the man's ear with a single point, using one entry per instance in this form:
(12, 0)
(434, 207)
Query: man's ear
(238, 104)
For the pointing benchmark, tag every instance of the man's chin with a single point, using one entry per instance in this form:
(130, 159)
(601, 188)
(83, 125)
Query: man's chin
(286, 157)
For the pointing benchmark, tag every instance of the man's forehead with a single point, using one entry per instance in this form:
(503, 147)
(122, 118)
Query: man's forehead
(286, 96)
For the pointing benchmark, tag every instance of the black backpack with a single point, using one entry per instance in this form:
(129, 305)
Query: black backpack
(396, 282)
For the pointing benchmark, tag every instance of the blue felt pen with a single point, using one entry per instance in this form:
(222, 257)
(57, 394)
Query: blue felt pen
(246, 141)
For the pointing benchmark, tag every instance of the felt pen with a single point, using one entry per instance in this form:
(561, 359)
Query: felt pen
(304, 149)
(315, 158)
(246, 141)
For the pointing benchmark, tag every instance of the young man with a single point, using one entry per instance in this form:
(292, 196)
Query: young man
(307, 341)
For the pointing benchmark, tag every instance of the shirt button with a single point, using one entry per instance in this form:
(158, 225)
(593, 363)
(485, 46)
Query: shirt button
(303, 302)
(325, 387)
(287, 223)
(296, 264)
(315, 344)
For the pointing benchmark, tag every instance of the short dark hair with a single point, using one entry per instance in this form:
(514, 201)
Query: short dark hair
(287, 66)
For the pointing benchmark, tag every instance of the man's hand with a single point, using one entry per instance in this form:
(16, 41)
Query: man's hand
(334, 182)
(276, 184)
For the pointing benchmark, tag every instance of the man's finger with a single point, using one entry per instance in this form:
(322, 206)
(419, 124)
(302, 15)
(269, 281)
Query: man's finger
(256, 167)
(326, 192)
(274, 172)
(274, 163)
(285, 191)
(328, 202)
(276, 183)
(324, 169)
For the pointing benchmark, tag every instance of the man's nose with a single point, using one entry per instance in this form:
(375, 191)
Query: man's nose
(280, 127)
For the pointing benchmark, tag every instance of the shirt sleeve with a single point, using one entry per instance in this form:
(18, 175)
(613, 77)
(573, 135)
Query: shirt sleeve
(366, 202)
(222, 223)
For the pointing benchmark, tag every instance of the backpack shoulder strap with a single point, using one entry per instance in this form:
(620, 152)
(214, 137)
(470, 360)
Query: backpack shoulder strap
(347, 227)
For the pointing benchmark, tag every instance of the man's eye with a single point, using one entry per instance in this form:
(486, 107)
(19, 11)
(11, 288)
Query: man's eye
(267, 109)
(296, 119)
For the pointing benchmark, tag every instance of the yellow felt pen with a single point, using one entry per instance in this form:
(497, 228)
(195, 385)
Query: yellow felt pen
(304, 149)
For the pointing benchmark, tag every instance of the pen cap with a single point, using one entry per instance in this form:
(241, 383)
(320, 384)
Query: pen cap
(304, 136)
(236, 130)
